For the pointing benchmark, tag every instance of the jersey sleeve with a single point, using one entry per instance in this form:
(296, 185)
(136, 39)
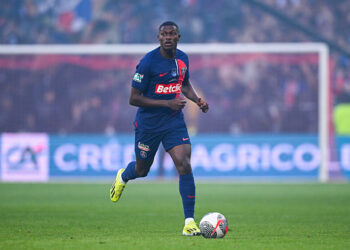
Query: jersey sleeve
(141, 76)
(187, 74)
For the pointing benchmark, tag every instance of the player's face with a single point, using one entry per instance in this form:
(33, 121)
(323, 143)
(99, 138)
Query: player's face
(168, 37)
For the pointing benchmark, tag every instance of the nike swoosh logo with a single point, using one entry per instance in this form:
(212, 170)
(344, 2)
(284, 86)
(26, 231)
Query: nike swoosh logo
(185, 139)
(163, 74)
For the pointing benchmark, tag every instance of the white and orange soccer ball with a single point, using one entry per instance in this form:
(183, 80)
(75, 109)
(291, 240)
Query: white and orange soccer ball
(213, 225)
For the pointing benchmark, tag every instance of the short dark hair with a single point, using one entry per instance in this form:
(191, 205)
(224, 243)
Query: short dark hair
(168, 23)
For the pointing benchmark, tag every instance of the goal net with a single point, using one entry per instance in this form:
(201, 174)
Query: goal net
(269, 106)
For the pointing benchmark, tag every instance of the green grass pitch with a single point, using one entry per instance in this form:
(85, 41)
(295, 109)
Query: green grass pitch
(149, 216)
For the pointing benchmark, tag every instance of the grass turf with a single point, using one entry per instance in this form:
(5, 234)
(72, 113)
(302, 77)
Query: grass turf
(149, 216)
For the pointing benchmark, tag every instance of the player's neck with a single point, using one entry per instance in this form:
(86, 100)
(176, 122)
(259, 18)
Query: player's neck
(168, 53)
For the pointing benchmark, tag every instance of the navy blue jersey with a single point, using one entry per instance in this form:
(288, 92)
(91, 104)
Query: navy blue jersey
(160, 78)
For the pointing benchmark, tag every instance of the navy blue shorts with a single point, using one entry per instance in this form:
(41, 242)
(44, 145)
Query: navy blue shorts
(147, 143)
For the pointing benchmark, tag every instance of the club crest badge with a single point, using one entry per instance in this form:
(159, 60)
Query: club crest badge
(143, 154)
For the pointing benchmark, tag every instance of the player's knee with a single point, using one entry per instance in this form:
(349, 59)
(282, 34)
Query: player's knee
(184, 167)
(142, 172)
(142, 168)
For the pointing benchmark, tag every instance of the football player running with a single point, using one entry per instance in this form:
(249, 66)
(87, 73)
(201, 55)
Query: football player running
(160, 78)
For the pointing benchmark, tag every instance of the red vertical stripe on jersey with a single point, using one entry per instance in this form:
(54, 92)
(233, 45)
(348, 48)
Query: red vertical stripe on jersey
(181, 68)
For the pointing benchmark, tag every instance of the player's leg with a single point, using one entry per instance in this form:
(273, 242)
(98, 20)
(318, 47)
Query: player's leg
(146, 146)
(178, 145)
(181, 156)
(136, 169)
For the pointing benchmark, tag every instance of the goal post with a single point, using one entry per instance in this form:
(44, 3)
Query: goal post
(320, 49)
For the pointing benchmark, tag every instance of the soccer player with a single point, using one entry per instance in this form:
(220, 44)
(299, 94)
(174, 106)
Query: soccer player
(160, 78)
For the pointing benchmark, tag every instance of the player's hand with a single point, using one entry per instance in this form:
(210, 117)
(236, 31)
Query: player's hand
(177, 103)
(203, 105)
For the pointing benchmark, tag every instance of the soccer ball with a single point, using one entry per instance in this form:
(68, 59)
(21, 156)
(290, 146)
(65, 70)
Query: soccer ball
(213, 225)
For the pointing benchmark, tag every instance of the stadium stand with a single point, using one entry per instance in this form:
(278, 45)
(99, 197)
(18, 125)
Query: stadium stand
(87, 108)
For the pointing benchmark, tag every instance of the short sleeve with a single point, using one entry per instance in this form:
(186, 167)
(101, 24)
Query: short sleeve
(187, 74)
(141, 76)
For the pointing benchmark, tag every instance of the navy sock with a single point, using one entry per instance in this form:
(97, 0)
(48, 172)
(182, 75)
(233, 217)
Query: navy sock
(130, 172)
(188, 193)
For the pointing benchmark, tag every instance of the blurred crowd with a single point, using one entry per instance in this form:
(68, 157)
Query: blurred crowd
(258, 94)
(261, 96)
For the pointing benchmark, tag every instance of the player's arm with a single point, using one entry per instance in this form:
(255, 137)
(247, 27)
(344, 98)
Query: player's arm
(190, 93)
(139, 100)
